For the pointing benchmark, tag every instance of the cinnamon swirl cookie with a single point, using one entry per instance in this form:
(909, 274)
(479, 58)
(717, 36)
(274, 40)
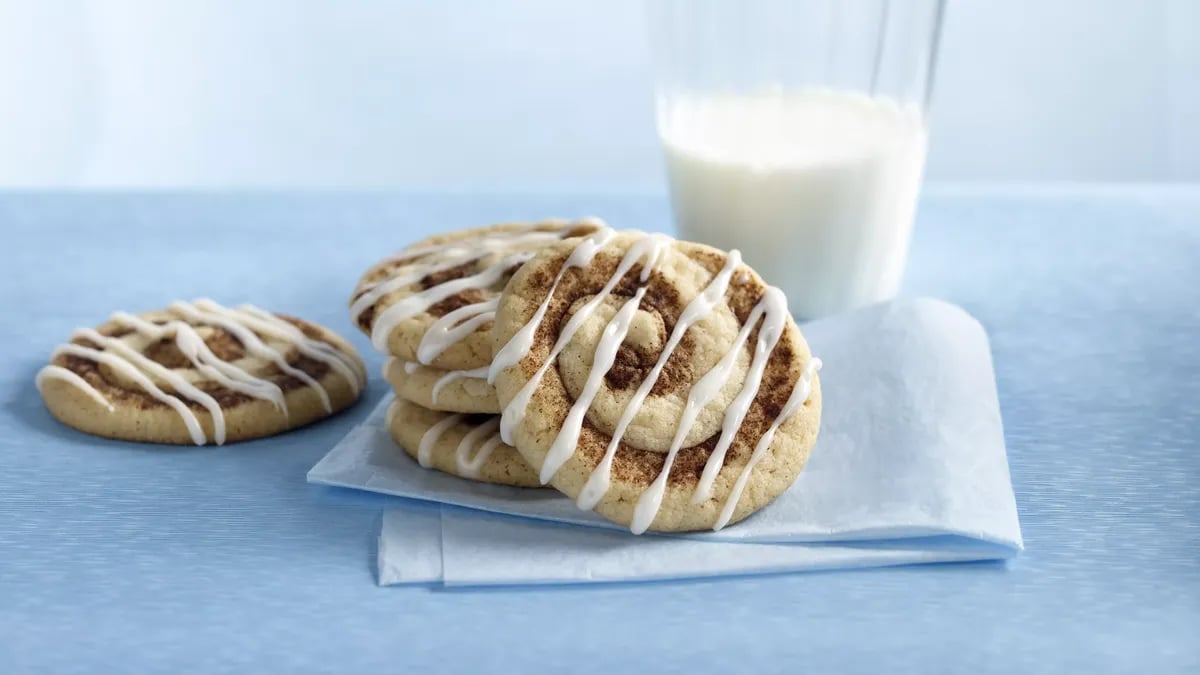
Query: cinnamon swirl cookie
(467, 446)
(659, 382)
(464, 391)
(198, 372)
(433, 302)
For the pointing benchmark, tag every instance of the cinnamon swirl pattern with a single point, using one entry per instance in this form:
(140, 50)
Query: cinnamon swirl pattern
(661, 383)
(198, 372)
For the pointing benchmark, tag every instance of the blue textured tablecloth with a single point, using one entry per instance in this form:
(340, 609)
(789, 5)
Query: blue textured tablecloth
(117, 557)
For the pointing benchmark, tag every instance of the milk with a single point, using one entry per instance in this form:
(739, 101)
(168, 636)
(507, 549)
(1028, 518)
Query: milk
(816, 188)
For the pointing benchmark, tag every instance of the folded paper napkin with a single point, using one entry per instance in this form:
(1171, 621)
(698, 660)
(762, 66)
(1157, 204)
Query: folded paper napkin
(430, 544)
(909, 467)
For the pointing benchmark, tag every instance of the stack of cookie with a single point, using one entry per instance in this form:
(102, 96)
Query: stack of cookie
(660, 383)
(430, 309)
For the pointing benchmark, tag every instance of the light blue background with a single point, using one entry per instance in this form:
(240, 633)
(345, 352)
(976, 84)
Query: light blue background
(536, 94)
(126, 558)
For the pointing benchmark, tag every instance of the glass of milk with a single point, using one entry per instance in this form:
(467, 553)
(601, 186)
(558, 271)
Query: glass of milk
(795, 131)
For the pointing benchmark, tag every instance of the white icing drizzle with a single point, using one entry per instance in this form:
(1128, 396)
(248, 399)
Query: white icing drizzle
(242, 324)
(606, 352)
(431, 437)
(410, 367)
(53, 372)
(469, 465)
(376, 291)
(771, 311)
(419, 302)
(250, 342)
(132, 360)
(700, 306)
(192, 346)
(269, 324)
(454, 376)
(455, 326)
(128, 370)
(799, 397)
(648, 247)
(706, 389)
(522, 341)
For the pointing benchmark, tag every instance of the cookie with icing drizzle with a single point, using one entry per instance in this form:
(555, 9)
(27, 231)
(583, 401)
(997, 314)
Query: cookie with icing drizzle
(661, 383)
(433, 302)
(463, 391)
(463, 445)
(198, 373)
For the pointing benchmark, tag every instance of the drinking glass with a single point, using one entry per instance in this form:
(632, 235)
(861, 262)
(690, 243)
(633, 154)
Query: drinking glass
(795, 131)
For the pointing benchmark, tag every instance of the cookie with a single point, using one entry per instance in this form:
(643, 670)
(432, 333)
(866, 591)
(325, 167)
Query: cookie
(199, 372)
(433, 302)
(464, 391)
(467, 446)
(661, 383)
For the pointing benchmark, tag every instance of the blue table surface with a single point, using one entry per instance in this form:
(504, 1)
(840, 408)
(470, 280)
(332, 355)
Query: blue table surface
(119, 557)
